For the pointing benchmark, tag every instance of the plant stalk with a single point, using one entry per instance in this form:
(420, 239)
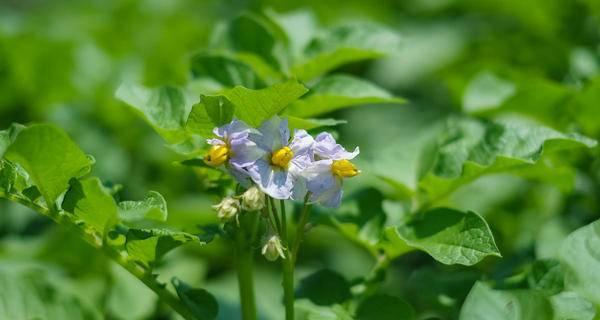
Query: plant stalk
(245, 266)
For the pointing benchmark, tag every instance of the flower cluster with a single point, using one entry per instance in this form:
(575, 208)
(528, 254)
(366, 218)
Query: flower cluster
(282, 166)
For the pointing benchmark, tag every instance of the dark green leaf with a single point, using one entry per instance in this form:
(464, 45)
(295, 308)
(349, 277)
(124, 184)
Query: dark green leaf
(250, 33)
(384, 307)
(324, 287)
(50, 157)
(200, 302)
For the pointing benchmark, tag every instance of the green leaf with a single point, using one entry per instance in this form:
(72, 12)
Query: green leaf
(339, 91)
(211, 112)
(165, 108)
(309, 311)
(251, 33)
(309, 124)
(344, 45)
(153, 207)
(385, 307)
(484, 302)
(148, 246)
(50, 157)
(200, 302)
(580, 255)
(8, 136)
(32, 293)
(256, 106)
(470, 149)
(91, 203)
(324, 287)
(228, 71)
(450, 236)
(486, 91)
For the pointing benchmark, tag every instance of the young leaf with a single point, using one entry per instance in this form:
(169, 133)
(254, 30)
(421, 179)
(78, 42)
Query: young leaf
(228, 71)
(8, 136)
(200, 302)
(385, 307)
(339, 91)
(165, 108)
(449, 236)
(324, 287)
(50, 157)
(343, 45)
(580, 255)
(91, 203)
(153, 207)
(256, 106)
(472, 148)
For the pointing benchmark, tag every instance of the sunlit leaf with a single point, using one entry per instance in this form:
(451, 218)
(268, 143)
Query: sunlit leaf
(449, 236)
(165, 108)
(50, 157)
(339, 91)
(91, 203)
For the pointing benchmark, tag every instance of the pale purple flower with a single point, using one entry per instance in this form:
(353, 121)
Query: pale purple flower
(234, 148)
(276, 172)
(324, 177)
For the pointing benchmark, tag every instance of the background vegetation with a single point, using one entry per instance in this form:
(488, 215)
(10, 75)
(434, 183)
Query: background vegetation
(501, 115)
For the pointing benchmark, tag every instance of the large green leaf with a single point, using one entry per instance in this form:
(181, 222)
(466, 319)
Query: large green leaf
(484, 302)
(580, 255)
(472, 148)
(449, 236)
(343, 45)
(165, 108)
(91, 204)
(256, 106)
(228, 71)
(339, 91)
(50, 157)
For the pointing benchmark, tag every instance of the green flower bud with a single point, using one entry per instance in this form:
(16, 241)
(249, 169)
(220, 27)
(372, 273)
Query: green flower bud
(227, 208)
(253, 199)
(273, 249)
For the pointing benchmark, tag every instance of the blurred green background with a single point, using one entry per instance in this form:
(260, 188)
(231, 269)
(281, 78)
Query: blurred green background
(61, 62)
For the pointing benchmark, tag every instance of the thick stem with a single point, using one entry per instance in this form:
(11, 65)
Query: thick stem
(245, 265)
(246, 282)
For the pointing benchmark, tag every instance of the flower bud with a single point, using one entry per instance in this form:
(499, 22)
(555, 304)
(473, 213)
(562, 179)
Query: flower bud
(253, 199)
(227, 208)
(273, 249)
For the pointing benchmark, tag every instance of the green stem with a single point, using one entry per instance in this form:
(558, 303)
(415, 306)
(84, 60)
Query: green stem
(275, 216)
(145, 277)
(300, 228)
(288, 268)
(245, 265)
